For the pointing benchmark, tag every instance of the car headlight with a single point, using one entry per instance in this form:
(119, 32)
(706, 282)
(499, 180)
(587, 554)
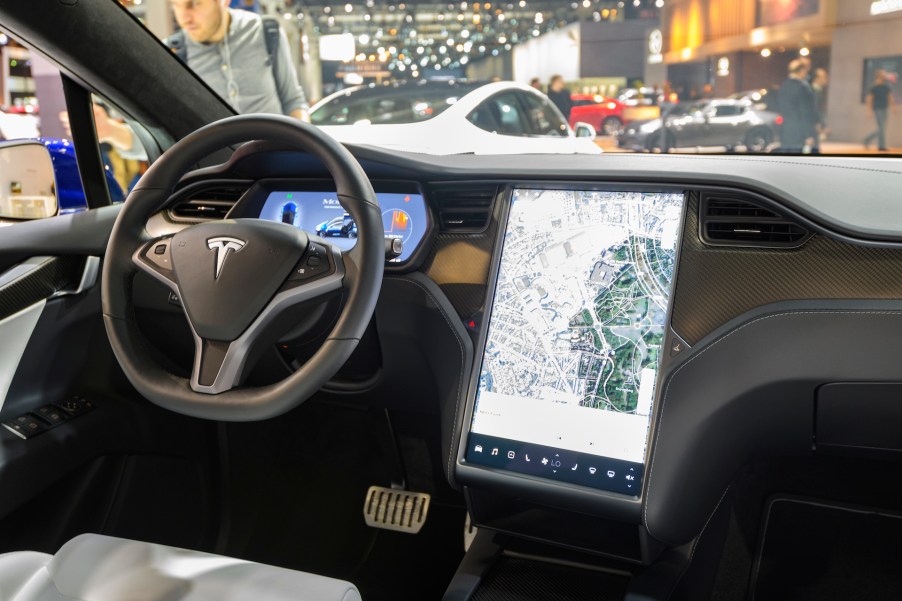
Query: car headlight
(650, 127)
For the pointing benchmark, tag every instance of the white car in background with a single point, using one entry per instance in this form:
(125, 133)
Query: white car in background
(452, 117)
(14, 126)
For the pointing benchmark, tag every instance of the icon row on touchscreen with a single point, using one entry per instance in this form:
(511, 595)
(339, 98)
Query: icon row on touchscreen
(555, 463)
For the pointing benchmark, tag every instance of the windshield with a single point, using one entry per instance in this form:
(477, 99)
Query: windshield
(388, 104)
(806, 77)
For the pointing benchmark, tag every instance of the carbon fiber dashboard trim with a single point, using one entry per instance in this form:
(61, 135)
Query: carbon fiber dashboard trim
(717, 284)
(51, 276)
(459, 264)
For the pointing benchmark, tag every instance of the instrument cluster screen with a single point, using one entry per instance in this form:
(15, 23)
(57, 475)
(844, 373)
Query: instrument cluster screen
(404, 216)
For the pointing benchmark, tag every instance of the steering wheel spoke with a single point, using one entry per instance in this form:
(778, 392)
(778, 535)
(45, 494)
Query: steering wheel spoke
(218, 365)
(155, 259)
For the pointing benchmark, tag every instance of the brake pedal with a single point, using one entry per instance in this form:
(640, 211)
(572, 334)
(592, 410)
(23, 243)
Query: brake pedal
(392, 509)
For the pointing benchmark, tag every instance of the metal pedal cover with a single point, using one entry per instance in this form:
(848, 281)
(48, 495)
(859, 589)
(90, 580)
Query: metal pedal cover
(392, 509)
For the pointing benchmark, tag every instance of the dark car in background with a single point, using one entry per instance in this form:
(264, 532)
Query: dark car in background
(726, 123)
(603, 113)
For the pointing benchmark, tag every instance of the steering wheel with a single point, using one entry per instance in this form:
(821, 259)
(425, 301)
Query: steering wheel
(235, 278)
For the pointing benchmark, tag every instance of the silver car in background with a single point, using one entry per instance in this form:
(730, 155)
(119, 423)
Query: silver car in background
(725, 123)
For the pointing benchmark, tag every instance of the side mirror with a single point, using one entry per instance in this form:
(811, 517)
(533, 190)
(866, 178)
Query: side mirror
(27, 182)
(584, 130)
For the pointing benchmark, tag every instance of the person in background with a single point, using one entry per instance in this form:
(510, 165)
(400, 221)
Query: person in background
(806, 60)
(797, 106)
(227, 49)
(819, 85)
(536, 83)
(879, 101)
(560, 95)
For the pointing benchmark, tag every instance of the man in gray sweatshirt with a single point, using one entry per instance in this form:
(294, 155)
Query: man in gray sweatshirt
(228, 50)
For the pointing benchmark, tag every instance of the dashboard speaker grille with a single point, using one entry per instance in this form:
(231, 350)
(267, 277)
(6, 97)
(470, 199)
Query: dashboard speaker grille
(728, 221)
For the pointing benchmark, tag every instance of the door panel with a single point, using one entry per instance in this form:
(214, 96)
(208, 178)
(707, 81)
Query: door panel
(15, 332)
(124, 468)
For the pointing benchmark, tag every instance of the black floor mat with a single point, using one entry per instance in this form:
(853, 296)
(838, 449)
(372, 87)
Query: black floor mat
(299, 484)
(817, 552)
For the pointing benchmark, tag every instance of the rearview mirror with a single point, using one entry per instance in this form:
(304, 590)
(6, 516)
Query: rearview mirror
(27, 183)
(584, 130)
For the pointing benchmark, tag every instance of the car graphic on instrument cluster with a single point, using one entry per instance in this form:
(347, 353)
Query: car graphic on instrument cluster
(338, 227)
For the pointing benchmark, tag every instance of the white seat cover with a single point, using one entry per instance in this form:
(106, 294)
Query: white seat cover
(92, 567)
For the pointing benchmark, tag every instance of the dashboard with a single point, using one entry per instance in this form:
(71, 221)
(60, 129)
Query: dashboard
(604, 348)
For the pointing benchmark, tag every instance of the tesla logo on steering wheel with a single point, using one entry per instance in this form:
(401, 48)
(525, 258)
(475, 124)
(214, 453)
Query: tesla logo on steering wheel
(222, 246)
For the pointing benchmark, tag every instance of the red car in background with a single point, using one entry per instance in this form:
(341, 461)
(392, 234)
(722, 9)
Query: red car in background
(603, 113)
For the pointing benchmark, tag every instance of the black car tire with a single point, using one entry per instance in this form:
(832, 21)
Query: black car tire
(758, 139)
(611, 125)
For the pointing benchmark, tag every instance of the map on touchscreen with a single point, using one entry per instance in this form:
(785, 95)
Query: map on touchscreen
(577, 321)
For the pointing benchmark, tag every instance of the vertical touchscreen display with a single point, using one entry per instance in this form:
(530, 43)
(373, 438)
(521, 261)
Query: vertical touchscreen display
(575, 334)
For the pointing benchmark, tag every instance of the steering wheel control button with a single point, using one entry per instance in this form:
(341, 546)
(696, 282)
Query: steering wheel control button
(314, 264)
(159, 255)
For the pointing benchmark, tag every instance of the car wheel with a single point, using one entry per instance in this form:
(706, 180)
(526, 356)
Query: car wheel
(611, 126)
(758, 139)
(660, 141)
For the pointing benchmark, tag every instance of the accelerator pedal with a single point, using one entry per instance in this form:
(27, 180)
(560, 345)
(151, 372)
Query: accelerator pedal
(393, 509)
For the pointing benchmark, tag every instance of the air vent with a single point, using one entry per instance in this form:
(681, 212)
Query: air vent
(207, 205)
(464, 209)
(726, 221)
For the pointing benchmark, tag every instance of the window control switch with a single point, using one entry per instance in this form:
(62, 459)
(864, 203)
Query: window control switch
(52, 414)
(25, 426)
(75, 406)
